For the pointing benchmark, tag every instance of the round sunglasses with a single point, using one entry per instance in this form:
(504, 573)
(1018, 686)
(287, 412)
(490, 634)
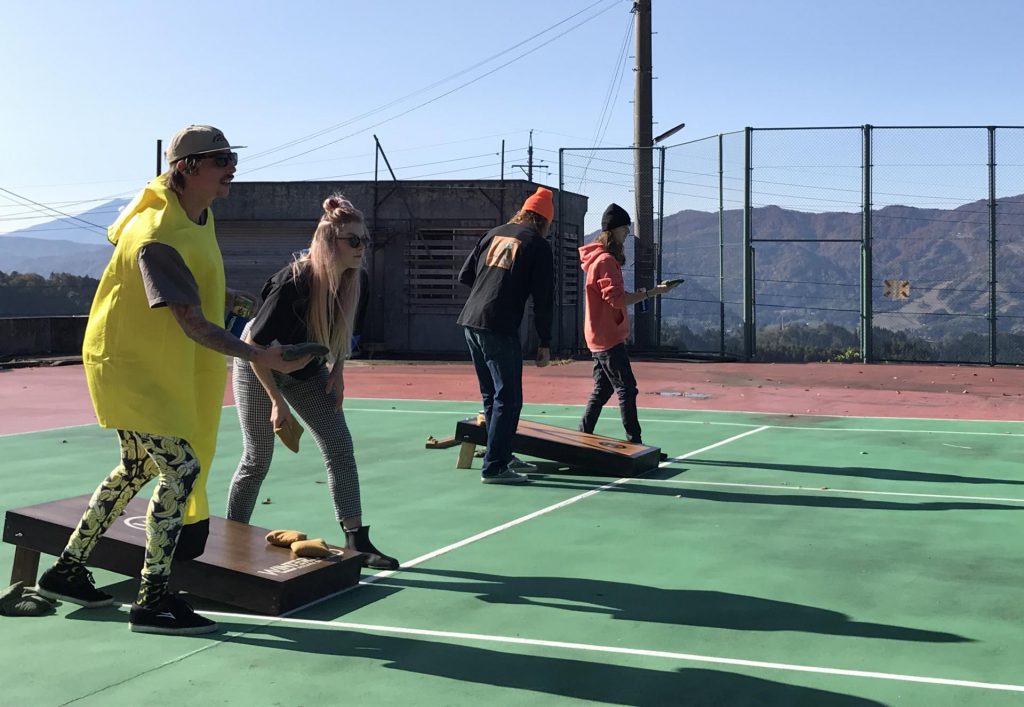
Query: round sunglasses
(354, 241)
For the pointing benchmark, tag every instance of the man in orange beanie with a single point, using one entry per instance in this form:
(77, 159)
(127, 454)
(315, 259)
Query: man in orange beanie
(510, 264)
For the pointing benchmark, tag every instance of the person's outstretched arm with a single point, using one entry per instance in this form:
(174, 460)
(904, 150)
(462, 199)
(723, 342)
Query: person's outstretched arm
(205, 333)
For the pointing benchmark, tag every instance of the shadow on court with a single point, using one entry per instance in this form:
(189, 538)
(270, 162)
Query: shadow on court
(858, 472)
(636, 602)
(769, 497)
(584, 680)
(125, 592)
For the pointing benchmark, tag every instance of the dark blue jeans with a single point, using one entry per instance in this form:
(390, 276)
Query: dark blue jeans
(612, 373)
(498, 359)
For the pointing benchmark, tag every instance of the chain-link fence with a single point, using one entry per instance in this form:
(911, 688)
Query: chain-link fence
(837, 243)
(606, 176)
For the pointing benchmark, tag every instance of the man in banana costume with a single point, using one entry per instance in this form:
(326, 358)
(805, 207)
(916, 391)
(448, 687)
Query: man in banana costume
(154, 361)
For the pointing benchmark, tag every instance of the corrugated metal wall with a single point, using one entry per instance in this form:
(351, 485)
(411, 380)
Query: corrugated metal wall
(422, 233)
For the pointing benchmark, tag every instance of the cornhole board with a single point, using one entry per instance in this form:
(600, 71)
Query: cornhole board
(238, 567)
(587, 453)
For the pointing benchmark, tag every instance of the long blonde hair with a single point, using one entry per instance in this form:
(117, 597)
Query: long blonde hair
(333, 293)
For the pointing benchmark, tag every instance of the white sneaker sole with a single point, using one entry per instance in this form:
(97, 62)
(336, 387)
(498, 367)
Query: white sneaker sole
(72, 600)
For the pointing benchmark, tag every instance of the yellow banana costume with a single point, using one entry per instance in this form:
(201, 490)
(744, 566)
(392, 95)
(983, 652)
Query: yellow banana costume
(144, 373)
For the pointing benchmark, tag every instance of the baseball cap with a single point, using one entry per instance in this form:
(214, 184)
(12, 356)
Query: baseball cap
(197, 140)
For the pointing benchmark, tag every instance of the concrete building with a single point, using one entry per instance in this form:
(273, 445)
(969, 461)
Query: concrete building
(422, 232)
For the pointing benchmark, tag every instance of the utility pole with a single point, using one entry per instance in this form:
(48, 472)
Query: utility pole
(643, 135)
(529, 160)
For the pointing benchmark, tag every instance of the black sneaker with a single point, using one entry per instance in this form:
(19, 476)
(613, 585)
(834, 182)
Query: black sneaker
(171, 616)
(73, 583)
(505, 476)
(359, 540)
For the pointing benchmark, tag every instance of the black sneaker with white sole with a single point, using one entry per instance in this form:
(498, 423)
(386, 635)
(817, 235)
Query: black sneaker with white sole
(505, 476)
(171, 616)
(520, 467)
(72, 583)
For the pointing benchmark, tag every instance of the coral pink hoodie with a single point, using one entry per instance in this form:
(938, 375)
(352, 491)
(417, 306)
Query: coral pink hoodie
(606, 322)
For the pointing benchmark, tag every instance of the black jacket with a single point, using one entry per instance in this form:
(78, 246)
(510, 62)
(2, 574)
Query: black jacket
(508, 265)
(281, 317)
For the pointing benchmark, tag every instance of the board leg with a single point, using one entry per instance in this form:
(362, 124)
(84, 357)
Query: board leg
(466, 452)
(26, 566)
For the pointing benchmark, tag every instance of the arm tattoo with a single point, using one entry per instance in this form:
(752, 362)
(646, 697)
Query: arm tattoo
(206, 333)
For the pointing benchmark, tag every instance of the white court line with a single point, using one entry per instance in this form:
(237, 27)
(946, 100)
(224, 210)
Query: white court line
(512, 523)
(48, 429)
(70, 427)
(476, 404)
(671, 655)
(541, 418)
(812, 489)
(721, 412)
(265, 621)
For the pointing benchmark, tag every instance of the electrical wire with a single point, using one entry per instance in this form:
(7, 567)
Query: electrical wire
(101, 229)
(612, 95)
(457, 88)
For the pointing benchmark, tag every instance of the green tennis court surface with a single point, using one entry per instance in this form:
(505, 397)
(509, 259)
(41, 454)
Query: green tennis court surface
(775, 560)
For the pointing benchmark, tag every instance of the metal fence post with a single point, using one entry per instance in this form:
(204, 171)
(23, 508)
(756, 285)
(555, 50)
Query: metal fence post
(748, 255)
(660, 241)
(993, 353)
(866, 269)
(557, 247)
(721, 249)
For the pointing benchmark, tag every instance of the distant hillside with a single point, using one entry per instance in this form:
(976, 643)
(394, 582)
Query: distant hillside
(35, 255)
(68, 229)
(813, 275)
(62, 245)
(944, 254)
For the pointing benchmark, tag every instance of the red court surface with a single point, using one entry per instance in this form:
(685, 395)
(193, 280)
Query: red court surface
(48, 397)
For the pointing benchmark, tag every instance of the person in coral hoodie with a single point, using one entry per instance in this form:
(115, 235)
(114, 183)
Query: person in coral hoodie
(606, 322)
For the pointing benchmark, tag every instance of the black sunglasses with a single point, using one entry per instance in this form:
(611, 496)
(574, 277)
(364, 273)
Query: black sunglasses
(355, 241)
(221, 159)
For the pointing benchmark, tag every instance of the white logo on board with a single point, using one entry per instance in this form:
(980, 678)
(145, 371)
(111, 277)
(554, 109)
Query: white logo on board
(136, 522)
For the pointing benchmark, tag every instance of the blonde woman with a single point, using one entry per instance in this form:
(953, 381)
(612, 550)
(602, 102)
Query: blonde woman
(312, 299)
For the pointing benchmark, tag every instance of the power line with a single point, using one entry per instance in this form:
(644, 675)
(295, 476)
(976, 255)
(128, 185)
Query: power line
(102, 229)
(367, 114)
(448, 93)
(613, 94)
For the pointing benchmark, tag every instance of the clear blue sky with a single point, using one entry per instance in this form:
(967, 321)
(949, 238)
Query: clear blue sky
(88, 88)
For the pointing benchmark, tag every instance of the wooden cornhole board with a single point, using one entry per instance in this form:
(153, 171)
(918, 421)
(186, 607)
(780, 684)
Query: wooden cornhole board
(587, 453)
(238, 567)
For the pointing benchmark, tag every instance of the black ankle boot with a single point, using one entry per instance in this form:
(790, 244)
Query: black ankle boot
(358, 539)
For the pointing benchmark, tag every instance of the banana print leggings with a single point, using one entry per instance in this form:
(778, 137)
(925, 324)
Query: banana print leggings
(143, 457)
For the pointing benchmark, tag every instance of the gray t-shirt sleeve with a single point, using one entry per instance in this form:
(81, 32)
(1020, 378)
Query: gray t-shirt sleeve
(166, 277)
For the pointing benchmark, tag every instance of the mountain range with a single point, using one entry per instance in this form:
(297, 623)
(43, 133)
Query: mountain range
(807, 264)
(72, 245)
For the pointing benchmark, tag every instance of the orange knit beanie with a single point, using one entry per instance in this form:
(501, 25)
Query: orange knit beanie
(541, 202)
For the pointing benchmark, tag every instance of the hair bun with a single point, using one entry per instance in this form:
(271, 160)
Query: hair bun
(335, 203)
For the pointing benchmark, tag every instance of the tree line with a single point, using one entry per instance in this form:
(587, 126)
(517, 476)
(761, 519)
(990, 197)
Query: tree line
(31, 294)
(823, 341)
